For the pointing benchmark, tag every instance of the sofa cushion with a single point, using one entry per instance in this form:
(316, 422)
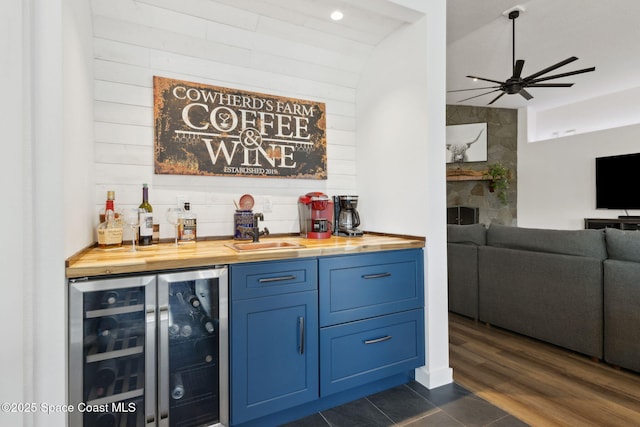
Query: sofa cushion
(621, 314)
(586, 243)
(552, 297)
(462, 278)
(471, 234)
(623, 245)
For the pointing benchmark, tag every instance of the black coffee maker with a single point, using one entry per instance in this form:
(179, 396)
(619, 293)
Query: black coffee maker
(346, 216)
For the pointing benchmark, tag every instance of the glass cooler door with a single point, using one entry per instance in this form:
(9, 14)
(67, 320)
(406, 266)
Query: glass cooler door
(112, 352)
(193, 360)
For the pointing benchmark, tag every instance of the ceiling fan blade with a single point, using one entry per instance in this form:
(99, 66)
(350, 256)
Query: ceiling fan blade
(557, 76)
(526, 95)
(486, 93)
(486, 80)
(475, 88)
(550, 85)
(496, 98)
(551, 68)
(517, 69)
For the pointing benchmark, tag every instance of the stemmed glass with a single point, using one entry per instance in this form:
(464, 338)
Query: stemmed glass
(174, 215)
(132, 219)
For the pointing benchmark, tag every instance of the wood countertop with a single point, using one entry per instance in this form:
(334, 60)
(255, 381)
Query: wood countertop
(167, 256)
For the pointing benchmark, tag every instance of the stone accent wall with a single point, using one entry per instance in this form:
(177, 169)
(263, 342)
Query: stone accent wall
(502, 146)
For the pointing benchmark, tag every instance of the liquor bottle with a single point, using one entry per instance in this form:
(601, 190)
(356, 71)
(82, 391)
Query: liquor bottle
(102, 217)
(187, 228)
(110, 230)
(146, 219)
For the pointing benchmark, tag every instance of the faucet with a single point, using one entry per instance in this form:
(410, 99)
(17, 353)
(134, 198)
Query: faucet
(254, 231)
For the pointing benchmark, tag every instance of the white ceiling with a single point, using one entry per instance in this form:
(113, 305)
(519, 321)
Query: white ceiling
(601, 34)
(604, 34)
(365, 21)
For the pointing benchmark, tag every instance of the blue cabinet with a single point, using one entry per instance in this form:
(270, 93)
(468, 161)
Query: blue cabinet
(372, 317)
(274, 337)
(313, 333)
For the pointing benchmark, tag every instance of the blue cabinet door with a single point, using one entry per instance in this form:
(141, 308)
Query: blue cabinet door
(274, 354)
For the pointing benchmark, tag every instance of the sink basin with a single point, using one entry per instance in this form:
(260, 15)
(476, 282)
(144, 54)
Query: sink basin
(263, 246)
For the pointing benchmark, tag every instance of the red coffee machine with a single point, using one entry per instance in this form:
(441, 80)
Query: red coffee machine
(316, 215)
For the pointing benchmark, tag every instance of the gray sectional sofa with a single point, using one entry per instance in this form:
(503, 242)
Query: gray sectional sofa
(579, 289)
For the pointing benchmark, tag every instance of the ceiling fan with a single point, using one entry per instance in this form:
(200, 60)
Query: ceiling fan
(518, 84)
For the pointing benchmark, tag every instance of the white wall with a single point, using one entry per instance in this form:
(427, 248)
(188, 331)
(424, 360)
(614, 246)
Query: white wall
(79, 177)
(603, 112)
(219, 45)
(47, 122)
(15, 258)
(400, 162)
(556, 178)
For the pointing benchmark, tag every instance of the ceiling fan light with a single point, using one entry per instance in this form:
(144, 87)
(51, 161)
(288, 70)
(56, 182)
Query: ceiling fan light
(337, 15)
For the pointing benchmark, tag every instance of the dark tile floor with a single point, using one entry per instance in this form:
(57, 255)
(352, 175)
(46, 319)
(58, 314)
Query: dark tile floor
(413, 405)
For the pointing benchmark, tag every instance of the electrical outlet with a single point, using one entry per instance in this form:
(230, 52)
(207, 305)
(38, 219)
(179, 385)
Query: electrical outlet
(267, 205)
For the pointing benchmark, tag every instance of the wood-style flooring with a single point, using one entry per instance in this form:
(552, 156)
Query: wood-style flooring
(541, 384)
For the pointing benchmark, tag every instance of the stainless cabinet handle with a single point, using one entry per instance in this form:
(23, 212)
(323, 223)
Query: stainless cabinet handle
(301, 336)
(376, 276)
(377, 340)
(276, 279)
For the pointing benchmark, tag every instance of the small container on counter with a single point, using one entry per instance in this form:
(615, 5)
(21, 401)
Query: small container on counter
(242, 218)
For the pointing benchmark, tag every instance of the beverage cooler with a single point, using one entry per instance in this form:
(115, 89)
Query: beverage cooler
(149, 350)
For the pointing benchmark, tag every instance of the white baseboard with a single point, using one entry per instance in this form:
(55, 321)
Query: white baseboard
(433, 379)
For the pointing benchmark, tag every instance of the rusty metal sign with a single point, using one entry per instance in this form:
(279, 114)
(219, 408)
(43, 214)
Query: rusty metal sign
(209, 130)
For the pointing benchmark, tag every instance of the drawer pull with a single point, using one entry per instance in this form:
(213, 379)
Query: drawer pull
(377, 340)
(301, 337)
(376, 276)
(276, 279)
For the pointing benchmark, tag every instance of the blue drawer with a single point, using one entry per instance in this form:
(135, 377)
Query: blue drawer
(362, 286)
(356, 353)
(259, 279)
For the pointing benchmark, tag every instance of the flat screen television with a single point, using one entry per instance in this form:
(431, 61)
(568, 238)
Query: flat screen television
(618, 182)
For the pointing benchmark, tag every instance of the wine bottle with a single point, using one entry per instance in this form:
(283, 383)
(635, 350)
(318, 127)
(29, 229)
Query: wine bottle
(187, 228)
(191, 298)
(105, 376)
(177, 392)
(110, 230)
(204, 348)
(174, 328)
(207, 324)
(105, 419)
(186, 330)
(180, 323)
(107, 331)
(109, 298)
(146, 219)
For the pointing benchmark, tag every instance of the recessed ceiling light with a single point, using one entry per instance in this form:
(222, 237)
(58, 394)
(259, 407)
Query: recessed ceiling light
(337, 15)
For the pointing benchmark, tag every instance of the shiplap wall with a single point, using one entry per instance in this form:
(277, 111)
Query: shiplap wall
(212, 43)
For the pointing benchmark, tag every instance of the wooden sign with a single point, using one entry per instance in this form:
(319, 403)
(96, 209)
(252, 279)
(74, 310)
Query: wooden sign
(209, 130)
